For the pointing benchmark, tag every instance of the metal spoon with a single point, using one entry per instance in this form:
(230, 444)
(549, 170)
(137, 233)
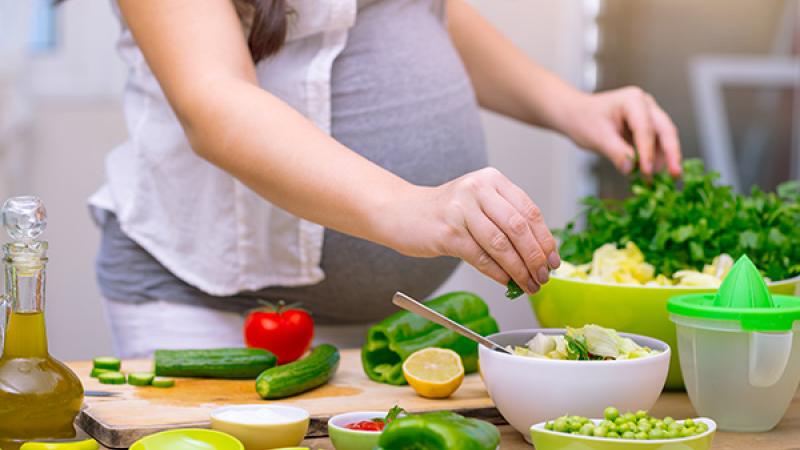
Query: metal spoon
(409, 304)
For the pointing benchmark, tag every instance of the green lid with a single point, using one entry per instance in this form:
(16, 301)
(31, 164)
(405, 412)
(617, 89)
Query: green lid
(743, 297)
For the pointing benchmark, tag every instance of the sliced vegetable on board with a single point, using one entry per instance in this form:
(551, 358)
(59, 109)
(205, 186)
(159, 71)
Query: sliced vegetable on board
(439, 431)
(434, 372)
(394, 339)
(232, 363)
(285, 331)
(300, 376)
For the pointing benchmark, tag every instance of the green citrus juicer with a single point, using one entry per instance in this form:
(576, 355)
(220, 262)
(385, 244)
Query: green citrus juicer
(739, 350)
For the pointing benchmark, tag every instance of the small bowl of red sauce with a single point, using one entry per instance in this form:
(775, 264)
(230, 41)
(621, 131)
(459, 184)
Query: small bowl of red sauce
(356, 430)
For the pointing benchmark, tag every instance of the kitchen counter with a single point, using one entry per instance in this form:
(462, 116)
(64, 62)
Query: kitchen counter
(785, 437)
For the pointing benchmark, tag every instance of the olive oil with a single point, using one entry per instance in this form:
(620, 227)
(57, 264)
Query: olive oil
(39, 396)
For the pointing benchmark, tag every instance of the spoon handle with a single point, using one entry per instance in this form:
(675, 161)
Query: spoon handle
(409, 304)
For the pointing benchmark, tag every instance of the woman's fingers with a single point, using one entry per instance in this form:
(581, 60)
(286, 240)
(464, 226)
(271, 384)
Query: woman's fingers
(667, 134)
(640, 122)
(519, 232)
(498, 246)
(475, 256)
(531, 213)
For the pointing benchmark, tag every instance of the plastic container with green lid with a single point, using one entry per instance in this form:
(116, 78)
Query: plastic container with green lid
(739, 350)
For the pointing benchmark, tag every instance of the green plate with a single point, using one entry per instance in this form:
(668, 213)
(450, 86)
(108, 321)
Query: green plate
(188, 439)
(86, 444)
(553, 440)
(633, 309)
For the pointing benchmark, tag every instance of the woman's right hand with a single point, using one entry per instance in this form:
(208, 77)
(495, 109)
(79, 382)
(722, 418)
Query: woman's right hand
(484, 219)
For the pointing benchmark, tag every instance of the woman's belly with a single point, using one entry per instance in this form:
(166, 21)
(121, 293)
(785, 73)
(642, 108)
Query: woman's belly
(401, 98)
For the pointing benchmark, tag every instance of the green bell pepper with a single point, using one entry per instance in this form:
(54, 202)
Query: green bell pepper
(394, 339)
(439, 431)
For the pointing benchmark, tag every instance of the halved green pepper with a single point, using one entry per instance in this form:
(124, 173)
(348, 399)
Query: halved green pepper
(439, 431)
(391, 341)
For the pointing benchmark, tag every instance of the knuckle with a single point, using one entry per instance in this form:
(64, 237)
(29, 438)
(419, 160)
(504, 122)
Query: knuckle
(483, 260)
(548, 244)
(635, 91)
(517, 224)
(500, 242)
(533, 213)
(535, 257)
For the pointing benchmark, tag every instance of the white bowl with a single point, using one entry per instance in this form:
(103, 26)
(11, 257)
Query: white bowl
(531, 390)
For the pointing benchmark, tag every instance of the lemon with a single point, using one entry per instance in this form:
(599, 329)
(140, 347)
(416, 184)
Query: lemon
(434, 372)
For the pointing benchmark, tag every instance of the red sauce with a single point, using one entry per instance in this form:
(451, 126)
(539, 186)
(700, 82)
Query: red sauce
(366, 425)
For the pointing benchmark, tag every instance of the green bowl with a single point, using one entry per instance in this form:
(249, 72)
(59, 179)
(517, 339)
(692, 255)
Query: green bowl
(346, 439)
(188, 439)
(566, 302)
(553, 440)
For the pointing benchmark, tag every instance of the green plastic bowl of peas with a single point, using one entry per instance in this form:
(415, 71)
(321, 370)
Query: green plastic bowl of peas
(618, 431)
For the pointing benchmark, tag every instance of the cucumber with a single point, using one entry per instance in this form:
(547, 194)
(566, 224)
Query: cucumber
(300, 376)
(111, 378)
(140, 378)
(161, 382)
(107, 363)
(96, 372)
(233, 363)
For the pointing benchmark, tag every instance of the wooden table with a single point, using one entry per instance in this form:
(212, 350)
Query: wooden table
(470, 399)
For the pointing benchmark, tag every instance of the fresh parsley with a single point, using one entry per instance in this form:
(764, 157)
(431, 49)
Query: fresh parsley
(685, 224)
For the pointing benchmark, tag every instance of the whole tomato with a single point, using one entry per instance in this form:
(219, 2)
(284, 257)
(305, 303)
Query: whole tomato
(285, 331)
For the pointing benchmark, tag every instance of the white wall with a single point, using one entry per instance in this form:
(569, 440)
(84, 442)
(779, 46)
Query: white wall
(78, 119)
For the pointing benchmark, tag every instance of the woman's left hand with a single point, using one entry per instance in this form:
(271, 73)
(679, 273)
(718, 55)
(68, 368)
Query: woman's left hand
(613, 123)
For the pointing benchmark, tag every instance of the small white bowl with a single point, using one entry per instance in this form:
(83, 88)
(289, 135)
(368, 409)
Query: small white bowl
(259, 435)
(532, 390)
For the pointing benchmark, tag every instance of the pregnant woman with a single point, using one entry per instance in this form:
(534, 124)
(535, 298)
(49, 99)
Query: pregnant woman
(327, 152)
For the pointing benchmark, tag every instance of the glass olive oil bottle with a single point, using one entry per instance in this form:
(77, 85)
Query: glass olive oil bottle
(39, 396)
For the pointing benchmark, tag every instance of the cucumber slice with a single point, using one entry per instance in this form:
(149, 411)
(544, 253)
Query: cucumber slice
(96, 372)
(111, 378)
(162, 382)
(107, 362)
(141, 378)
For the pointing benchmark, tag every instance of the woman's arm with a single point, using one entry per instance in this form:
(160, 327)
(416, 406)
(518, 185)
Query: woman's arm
(508, 82)
(198, 54)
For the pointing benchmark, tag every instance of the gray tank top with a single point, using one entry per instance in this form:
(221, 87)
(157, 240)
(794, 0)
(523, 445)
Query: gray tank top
(401, 98)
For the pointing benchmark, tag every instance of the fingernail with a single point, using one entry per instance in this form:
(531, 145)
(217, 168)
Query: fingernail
(554, 260)
(627, 165)
(532, 287)
(543, 275)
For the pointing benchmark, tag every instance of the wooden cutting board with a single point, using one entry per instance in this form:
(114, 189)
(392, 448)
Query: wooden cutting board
(117, 422)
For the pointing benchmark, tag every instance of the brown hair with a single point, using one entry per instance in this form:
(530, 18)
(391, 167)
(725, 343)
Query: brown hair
(265, 22)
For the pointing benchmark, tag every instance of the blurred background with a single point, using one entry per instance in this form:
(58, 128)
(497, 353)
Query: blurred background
(727, 71)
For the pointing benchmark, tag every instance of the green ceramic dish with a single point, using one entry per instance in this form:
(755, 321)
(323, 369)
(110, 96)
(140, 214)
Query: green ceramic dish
(188, 439)
(346, 439)
(86, 444)
(633, 309)
(553, 440)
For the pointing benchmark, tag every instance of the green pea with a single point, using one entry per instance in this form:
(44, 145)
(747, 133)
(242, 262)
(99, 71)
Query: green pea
(668, 420)
(600, 431)
(561, 425)
(701, 428)
(629, 435)
(629, 417)
(644, 426)
(625, 426)
(611, 413)
(548, 426)
(612, 435)
(656, 433)
(587, 429)
(641, 414)
(672, 434)
(688, 423)
(641, 435)
(686, 432)
(675, 426)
